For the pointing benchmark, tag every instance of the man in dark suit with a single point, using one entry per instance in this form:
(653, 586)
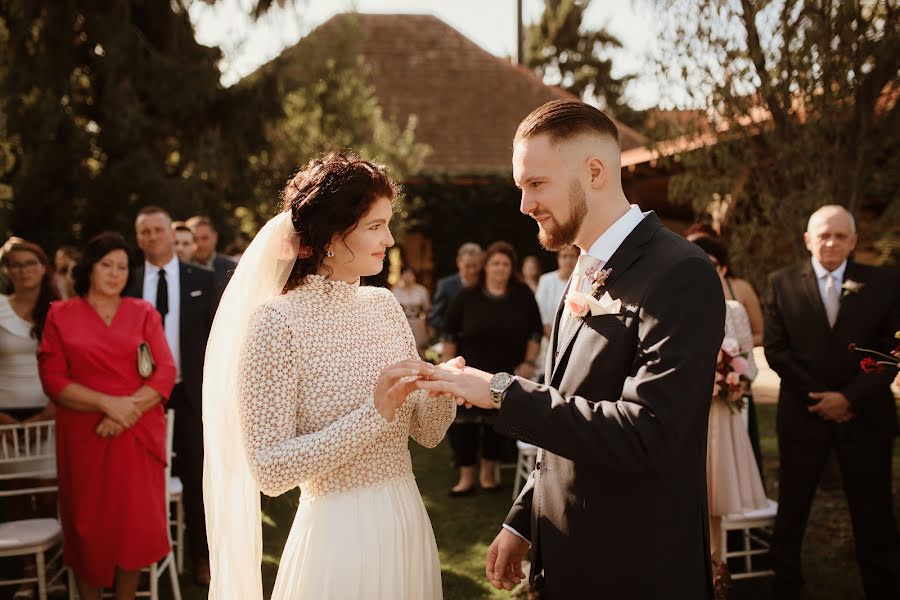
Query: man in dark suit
(206, 238)
(616, 506)
(186, 296)
(814, 310)
(468, 265)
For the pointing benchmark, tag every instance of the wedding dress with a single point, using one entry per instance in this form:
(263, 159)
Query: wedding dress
(288, 401)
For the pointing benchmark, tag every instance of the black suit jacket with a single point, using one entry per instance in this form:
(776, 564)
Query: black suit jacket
(617, 501)
(224, 267)
(446, 290)
(198, 302)
(809, 356)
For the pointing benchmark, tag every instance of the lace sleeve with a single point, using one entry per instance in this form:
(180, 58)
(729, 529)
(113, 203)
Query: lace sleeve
(431, 416)
(268, 390)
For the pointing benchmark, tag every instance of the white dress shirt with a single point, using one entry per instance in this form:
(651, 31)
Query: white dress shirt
(603, 250)
(173, 317)
(822, 273)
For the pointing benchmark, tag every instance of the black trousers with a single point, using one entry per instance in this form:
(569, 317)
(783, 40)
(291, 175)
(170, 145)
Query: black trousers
(866, 477)
(465, 439)
(188, 465)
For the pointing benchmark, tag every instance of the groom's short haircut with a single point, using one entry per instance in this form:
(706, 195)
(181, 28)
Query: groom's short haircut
(565, 119)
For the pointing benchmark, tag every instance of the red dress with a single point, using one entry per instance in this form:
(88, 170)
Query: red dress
(111, 490)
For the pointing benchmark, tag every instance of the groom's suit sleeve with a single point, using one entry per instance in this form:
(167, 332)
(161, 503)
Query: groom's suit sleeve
(668, 387)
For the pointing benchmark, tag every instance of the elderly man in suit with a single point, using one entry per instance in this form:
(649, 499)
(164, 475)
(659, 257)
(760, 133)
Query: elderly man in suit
(616, 506)
(468, 265)
(185, 294)
(814, 310)
(206, 238)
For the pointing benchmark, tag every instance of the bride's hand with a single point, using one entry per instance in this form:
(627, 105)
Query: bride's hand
(391, 390)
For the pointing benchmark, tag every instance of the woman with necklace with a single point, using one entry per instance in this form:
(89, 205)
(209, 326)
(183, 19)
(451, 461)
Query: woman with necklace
(110, 424)
(495, 326)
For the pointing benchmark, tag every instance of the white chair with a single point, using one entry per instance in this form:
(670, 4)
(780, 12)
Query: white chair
(524, 466)
(176, 497)
(751, 543)
(168, 563)
(28, 453)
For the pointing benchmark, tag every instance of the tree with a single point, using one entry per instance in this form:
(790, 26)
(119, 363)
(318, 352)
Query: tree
(566, 54)
(800, 98)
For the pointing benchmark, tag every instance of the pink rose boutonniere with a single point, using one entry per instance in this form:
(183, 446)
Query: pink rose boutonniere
(593, 302)
(851, 287)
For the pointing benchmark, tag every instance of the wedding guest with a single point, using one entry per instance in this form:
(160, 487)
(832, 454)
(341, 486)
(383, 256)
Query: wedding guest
(64, 260)
(110, 424)
(186, 297)
(22, 399)
(813, 311)
(22, 317)
(4, 280)
(205, 240)
(552, 285)
(413, 297)
(184, 241)
(742, 292)
(698, 230)
(468, 264)
(733, 481)
(494, 325)
(531, 272)
(734, 287)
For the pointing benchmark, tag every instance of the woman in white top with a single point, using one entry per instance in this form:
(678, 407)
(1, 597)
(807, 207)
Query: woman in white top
(22, 316)
(322, 384)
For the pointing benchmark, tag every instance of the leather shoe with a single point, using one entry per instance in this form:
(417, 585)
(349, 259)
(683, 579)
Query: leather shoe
(461, 493)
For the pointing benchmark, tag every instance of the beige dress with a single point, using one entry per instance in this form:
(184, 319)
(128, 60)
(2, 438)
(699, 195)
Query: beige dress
(732, 479)
(307, 375)
(415, 303)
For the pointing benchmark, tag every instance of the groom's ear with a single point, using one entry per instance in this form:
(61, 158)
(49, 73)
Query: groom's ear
(597, 172)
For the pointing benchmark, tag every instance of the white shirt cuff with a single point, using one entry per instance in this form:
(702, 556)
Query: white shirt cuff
(510, 529)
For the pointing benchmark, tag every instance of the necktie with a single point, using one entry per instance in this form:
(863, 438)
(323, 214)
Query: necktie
(584, 264)
(162, 295)
(832, 299)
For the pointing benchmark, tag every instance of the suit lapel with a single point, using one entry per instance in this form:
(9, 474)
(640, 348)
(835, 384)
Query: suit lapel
(627, 253)
(811, 288)
(550, 364)
(184, 292)
(136, 289)
(848, 299)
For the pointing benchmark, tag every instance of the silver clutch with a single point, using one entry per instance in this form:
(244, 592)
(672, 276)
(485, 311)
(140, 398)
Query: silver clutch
(145, 363)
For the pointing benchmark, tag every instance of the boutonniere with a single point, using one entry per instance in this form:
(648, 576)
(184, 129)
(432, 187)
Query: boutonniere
(580, 304)
(851, 287)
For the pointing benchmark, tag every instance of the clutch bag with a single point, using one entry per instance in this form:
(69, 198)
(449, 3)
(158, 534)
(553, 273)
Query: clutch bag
(145, 363)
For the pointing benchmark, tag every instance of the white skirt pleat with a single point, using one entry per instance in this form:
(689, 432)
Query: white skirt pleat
(374, 543)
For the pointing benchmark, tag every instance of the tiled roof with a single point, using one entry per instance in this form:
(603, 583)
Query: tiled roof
(467, 101)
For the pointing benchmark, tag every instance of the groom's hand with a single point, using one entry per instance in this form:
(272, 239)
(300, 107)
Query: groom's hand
(503, 566)
(469, 386)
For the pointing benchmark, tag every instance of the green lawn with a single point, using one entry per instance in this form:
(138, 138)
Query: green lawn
(464, 527)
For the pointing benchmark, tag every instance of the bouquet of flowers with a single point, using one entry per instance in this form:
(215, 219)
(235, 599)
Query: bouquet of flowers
(876, 361)
(731, 368)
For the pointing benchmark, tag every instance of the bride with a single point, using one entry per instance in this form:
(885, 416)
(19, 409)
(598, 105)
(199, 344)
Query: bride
(309, 381)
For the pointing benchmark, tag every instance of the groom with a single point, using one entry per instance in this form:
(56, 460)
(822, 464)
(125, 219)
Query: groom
(616, 505)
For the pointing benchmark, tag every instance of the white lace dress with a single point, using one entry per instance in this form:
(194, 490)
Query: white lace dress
(308, 373)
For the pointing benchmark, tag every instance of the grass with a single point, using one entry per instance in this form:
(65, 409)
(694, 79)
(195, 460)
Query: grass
(464, 527)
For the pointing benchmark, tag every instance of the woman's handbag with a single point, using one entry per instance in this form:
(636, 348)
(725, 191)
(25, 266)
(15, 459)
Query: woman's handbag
(145, 363)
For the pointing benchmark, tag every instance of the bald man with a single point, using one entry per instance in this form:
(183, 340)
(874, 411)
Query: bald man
(814, 310)
(616, 506)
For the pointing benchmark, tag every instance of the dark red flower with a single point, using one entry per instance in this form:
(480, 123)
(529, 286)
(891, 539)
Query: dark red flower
(851, 347)
(870, 365)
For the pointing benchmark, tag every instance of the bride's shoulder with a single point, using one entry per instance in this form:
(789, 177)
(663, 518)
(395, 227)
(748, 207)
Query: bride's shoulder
(379, 295)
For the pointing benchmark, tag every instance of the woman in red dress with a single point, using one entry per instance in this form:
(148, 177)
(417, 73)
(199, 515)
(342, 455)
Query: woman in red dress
(110, 424)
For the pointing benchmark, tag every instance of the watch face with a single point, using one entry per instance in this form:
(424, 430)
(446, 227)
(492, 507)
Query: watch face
(501, 381)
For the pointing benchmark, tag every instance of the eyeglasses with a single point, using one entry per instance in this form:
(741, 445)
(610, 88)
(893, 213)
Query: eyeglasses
(28, 264)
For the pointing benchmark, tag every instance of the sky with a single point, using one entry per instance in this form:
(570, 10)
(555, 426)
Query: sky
(489, 23)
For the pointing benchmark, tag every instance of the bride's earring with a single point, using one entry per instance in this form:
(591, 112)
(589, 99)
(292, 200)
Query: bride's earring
(329, 253)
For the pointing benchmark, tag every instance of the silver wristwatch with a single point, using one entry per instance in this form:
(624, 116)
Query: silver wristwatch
(499, 384)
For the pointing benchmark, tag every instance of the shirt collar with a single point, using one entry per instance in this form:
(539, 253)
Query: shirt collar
(610, 240)
(822, 271)
(171, 267)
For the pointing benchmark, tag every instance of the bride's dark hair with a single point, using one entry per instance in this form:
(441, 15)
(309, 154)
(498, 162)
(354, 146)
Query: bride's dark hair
(328, 197)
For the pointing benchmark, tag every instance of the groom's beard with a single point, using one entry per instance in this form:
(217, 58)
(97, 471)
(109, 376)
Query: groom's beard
(563, 234)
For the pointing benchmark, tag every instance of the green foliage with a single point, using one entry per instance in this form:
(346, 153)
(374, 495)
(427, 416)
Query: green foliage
(566, 54)
(800, 100)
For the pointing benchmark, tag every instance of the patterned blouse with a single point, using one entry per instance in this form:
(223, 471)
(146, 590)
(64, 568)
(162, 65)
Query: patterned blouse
(307, 377)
